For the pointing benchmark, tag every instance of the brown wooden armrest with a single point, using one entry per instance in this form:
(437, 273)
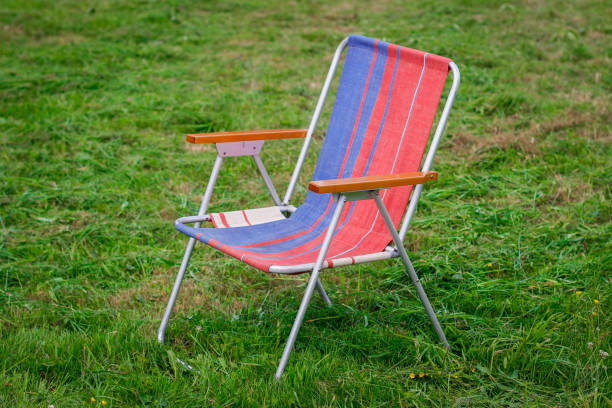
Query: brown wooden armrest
(371, 182)
(246, 135)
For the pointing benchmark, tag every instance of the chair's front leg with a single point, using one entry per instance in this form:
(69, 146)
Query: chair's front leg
(179, 277)
(312, 283)
(161, 332)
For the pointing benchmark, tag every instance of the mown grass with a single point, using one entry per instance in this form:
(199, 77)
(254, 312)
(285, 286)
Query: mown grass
(513, 243)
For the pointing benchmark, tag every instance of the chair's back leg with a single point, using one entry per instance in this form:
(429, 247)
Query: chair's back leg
(312, 282)
(161, 332)
(267, 180)
(322, 292)
(415, 279)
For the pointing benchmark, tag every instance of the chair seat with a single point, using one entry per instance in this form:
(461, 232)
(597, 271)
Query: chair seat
(290, 246)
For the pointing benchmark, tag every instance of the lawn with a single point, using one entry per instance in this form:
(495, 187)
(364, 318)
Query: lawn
(513, 243)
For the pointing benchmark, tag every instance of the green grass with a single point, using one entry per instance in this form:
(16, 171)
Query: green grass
(95, 98)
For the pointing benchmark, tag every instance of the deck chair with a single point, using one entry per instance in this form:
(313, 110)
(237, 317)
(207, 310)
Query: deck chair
(362, 189)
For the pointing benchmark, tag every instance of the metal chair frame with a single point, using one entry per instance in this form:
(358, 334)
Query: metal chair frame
(252, 148)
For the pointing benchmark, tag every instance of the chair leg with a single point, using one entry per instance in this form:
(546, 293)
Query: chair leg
(312, 283)
(161, 332)
(266, 178)
(322, 292)
(411, 272)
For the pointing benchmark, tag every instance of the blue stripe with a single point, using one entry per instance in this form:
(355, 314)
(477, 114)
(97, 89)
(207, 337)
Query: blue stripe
(352, 86)
(340, 130)
(342, 122)
(344, 116)
(372, 151)
(316, 247)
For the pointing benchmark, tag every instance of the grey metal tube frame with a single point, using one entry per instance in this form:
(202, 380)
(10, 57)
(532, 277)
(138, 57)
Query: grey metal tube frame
(314, 281)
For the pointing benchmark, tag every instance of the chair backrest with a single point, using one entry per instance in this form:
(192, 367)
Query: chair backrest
(383, 113)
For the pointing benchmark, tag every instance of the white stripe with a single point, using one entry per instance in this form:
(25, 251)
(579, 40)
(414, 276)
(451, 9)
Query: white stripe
(410, 112)
(215, 217)
(336, 263)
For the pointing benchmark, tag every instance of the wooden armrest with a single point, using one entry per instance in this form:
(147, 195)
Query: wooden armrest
(371, 182)
(246, 135)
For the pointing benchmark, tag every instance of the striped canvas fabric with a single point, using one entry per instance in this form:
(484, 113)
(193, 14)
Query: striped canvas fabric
(243, 218)
(382, 117)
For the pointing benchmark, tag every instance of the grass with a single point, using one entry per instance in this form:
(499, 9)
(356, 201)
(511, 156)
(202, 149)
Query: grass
(513, 243)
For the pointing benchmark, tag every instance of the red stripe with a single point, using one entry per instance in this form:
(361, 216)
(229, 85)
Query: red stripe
(245, 217)
(223, 220)
(352, 261)
(212, 220)
(198, 236)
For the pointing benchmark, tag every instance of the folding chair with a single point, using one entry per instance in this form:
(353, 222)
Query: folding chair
(379, 128)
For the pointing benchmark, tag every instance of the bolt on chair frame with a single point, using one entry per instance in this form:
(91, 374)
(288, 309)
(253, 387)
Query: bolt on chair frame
(250, 143)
